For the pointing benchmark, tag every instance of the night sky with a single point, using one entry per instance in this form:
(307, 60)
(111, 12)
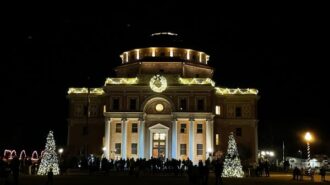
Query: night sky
(281, 53)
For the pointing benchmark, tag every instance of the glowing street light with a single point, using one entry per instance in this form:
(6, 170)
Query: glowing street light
(308, 138)
(60, 151)
(104, 149)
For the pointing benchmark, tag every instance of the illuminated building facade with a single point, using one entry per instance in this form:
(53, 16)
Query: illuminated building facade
(162, 103)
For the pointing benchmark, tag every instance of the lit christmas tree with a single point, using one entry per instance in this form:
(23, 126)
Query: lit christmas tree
(232, 166)
(49, 157)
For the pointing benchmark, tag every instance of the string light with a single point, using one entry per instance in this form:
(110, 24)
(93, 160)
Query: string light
(196, 81)
(115, 81)
(225, 91)
(49, 157)
(232, 166)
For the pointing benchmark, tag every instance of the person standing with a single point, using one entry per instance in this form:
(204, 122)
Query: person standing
(322, 173)
(218, 168)
(50, 175)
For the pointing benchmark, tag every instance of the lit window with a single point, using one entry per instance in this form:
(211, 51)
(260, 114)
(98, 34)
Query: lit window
(200, 57)
(171, 52)
(217, 139)
(126, 57)
(137, 54)
(217, 110)
(153, 52)
(117, 148)
(188, 54)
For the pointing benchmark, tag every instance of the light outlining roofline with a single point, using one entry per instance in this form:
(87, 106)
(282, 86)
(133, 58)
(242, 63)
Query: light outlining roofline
(226, 91)
(164, 33)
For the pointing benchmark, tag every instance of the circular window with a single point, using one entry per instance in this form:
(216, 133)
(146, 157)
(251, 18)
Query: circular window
(159, 107)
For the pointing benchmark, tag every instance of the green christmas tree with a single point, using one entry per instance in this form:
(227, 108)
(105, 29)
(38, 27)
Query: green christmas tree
(49, 157)
(232, 165)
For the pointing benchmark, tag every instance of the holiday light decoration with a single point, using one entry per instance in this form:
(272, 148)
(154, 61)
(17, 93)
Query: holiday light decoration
(49, 158)
(22, 155)
(225, 91)
(232, 166)
(158, 83)
(34, 156)
(84, 90)
(117, 81)
(196, 81)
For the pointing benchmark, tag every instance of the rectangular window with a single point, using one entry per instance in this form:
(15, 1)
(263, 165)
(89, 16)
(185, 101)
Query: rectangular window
(238, 131)
(238, 111)
(217, 110)
(183, 104)
(134, 128)
(200, 104)
(115, 104)
(118, 127)
(85, 131)
(199, 128)
(217, 139)
(134, 148)
(183, 128)
(199, 149)
(117, 148)
(183, 149)
(132, 104)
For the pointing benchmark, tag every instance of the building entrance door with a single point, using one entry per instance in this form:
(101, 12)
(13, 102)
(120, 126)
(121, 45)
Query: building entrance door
(159, 145)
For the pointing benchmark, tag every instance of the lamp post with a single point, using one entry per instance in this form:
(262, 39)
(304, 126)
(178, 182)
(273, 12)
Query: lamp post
(308, 139)
(60, 151)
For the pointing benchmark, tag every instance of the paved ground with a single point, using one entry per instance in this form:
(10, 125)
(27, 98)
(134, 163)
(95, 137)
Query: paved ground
(121, 179)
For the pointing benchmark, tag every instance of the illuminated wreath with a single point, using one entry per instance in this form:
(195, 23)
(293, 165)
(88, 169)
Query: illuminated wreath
(158, 83)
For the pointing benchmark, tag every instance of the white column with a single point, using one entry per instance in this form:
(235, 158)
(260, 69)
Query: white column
(123, 138)
(107, 138)
(191, 139)
(174, 139)
(141, 138)
(209, 137)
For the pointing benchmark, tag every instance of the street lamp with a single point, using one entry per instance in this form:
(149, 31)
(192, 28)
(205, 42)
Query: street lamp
(60, 151)
(308, 137)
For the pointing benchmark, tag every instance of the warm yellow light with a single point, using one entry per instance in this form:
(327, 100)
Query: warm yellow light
(308, 137)
(104, 148)
(126, 56)
(137, 54)
(153, 50)
(159, 107)
(196, 81)
(225, 91)
(84, 90)
(115, 81)
(171, 52)
(188, 54)
(200, 57)
(217, 109)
